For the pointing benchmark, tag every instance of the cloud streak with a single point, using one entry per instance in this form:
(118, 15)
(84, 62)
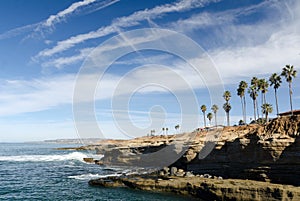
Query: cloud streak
(53, 19)
(86, 6)
(123, 22)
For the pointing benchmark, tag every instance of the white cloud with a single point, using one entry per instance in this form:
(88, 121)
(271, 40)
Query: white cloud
(123, 22)
(20, 96)
(247, 49)
(53, 19)
(48, 24)
(18, 31)
(65, 61)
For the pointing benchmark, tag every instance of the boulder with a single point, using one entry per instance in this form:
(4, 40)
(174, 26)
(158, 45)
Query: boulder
(88, 160)
(189, 174)
(173, 171)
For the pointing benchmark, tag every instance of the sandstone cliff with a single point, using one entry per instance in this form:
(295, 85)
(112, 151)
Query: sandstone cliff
(260, 152)
(267, 153)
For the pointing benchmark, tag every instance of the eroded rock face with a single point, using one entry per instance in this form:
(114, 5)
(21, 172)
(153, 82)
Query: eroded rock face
(269, 153)
(265, 153)
(204, 188)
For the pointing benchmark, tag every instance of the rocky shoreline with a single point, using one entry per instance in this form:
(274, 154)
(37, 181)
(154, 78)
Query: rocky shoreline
(257, 162)
(198, 186)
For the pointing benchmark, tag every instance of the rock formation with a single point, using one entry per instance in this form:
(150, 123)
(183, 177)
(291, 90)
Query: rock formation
(259, 152)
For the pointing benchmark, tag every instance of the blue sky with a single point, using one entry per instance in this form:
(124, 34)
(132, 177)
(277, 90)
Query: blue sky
(45, 44)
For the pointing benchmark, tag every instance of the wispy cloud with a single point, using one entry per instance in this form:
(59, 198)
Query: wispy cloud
(243, 53)
(61, 16)
(53, 19)
(123, 22)
(65, 61)
(17, 31)
(242, 50)
(22, 96)
(86, 6)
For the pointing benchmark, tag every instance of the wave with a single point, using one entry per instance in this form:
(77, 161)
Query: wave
(117, 174)
(92, 176)
(38, 158)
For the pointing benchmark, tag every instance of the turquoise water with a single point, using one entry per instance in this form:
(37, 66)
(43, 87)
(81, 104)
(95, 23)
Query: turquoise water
(39, 172)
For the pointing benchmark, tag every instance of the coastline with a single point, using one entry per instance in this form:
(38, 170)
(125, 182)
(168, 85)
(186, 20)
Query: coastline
(257, 162)
(203, 188)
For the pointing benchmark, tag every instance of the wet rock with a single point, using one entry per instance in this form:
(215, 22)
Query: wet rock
(189, 174)
(173, 171)
(166, 170)
(88, 160)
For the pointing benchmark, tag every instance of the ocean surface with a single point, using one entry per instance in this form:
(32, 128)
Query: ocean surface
(31, 171)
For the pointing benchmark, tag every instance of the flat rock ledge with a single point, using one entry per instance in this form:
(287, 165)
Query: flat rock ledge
(204, 188)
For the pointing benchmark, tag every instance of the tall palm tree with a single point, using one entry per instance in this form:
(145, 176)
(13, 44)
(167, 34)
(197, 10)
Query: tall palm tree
(215, 108)
(267, 109)
(203, 109)
(253, 94)
(275, 81)
(210, 116)
(263, 87)
(227, 106)
(254, 84)
(289, 73)
(241, 93)
(167, 130)
(163, 129)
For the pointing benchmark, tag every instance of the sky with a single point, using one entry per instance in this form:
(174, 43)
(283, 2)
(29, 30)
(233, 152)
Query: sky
(121, 68)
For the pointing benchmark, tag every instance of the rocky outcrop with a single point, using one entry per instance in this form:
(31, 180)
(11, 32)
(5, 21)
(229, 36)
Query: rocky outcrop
(266, 153)
(259, 152)
(204, 188)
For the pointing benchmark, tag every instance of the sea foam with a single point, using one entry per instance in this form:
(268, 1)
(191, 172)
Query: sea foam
(38, 158)
(92, 176)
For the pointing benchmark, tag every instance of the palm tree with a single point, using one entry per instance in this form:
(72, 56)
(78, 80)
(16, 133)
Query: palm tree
(203, 109)
(275, 81)
(215, 108)
(227, 96)
(254, 84)
(253, 94)
(227, 106)
(167, 131)
(177, 127)
(263, 87)
(241, 93)
(210, 116)
(267, 109)
(288, 72)
(163, 129)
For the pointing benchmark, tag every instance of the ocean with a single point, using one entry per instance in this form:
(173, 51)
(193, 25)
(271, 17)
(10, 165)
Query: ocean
(32, 171)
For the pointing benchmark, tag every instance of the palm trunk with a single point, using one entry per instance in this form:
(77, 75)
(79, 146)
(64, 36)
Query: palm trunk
(204, 120)
(267, 117)
(245, 111)
(265, 99)
(256, 103)
(291, 92)
(228, 124)
(216, 119)
(254, 112)
(276, 101)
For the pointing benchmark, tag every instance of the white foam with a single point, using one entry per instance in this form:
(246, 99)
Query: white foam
(92, 176)
(38, 158)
